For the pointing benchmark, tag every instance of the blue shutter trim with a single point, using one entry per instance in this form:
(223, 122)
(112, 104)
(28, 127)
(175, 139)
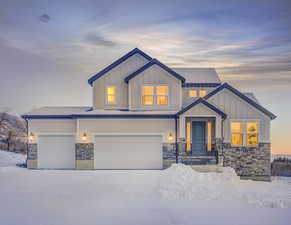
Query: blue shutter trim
(242, 96)
(201, 84)
(151, 63)
(202, 101)
(117, 62)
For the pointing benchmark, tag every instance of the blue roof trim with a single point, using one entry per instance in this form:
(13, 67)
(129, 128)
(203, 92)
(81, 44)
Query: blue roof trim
(117, 62)
(161, 116)
(47, 116)
(201, 84)
(242, 96)
(151, 63)
(204, 102)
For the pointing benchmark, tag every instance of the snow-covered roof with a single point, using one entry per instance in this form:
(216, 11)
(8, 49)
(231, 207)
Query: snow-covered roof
(198, 75)
(126, 112)
(251, 96)
(58, 110)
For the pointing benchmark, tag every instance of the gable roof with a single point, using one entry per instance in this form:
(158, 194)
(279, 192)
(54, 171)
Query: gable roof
(151, 63)
(204, 102)
(199, 75)
(242, 96)
(117, 62)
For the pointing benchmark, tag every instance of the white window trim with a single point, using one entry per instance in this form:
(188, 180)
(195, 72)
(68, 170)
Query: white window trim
(106, 95)
(154, 95)
(244, 132)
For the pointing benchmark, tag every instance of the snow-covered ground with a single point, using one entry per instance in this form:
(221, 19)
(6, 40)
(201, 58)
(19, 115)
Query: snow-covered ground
(176, 196)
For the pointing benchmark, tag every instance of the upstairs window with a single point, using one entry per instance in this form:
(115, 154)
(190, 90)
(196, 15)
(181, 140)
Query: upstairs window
(202, 93)
(192, 93)
(148, 95)
(155, 95)
(111, 95)
(162, 95)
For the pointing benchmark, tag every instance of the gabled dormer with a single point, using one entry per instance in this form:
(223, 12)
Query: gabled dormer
(109, 89)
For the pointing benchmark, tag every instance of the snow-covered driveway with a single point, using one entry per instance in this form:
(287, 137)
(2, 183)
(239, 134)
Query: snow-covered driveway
(177, 195)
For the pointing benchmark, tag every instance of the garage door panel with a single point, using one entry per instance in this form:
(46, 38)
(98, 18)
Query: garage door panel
(56, 151)
(128, 152)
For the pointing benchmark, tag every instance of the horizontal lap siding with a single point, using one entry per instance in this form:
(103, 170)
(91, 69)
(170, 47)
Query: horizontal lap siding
(135, 126)
(155, 75)
(238, 109)
(115, 77)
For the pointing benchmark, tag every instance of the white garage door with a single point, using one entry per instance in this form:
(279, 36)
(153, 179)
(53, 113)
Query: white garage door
(56, 151)
(128, 151)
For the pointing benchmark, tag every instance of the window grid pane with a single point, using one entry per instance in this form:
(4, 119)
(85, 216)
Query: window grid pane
(148, 90)
(236, 127)
(202, 93)
(162, 100)
(237, 139)
(192, 93)
(148, 99)
(162, 90)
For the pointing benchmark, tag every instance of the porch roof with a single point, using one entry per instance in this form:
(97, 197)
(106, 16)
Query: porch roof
(204, 102)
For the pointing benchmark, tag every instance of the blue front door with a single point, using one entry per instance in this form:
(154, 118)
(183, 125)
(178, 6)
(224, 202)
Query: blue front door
(198, 138)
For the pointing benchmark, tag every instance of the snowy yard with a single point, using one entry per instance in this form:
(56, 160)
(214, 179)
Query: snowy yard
(176, 196)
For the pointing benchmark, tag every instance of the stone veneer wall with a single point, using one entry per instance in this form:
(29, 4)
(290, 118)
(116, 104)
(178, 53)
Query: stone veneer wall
(32, 156)
(84, 156)
(249, 162)
(169, 154)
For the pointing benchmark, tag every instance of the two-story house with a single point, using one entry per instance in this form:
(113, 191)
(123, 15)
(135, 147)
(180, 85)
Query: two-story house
(145, 115)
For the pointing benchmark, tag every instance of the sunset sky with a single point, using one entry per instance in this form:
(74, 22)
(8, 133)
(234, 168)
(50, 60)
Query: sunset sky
(48, 49)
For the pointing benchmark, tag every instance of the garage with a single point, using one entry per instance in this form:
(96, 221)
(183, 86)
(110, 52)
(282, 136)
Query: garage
(56, 151)
(127, 151)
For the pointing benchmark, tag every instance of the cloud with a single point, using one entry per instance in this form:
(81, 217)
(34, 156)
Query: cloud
(45, 18)
(99, 40)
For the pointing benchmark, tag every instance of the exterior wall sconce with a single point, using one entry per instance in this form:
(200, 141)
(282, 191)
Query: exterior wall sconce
(170, 137)
(84, 137)
(31, 136)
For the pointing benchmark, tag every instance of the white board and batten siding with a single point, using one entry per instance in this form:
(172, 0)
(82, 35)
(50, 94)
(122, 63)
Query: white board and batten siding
(200, 110)
(188, 100)
(155, 76)
(239, 110)
(115, 77)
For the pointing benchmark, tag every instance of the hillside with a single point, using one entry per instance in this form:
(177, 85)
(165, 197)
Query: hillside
(12, 133)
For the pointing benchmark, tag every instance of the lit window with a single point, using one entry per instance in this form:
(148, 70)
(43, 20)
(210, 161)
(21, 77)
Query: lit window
(209, 136)
(162, 95)
(236, 133)
(202, 93)
(192, 93)
(148, 95)
(155, 95)
(252, 133)
(188, 136)
(111, 95)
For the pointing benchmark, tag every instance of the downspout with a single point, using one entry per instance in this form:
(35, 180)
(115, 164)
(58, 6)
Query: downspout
(176, 138)
(27, 145)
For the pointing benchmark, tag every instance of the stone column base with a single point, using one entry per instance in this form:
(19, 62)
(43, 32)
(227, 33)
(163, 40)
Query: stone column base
(31, 164)
(84, 164)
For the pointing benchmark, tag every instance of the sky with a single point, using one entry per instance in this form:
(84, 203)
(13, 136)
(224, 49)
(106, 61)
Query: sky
(48, 49)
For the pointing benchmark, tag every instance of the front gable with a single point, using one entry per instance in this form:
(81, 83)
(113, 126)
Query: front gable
(155, 76)
(236, 104)
(135, 52)
(155, 62)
